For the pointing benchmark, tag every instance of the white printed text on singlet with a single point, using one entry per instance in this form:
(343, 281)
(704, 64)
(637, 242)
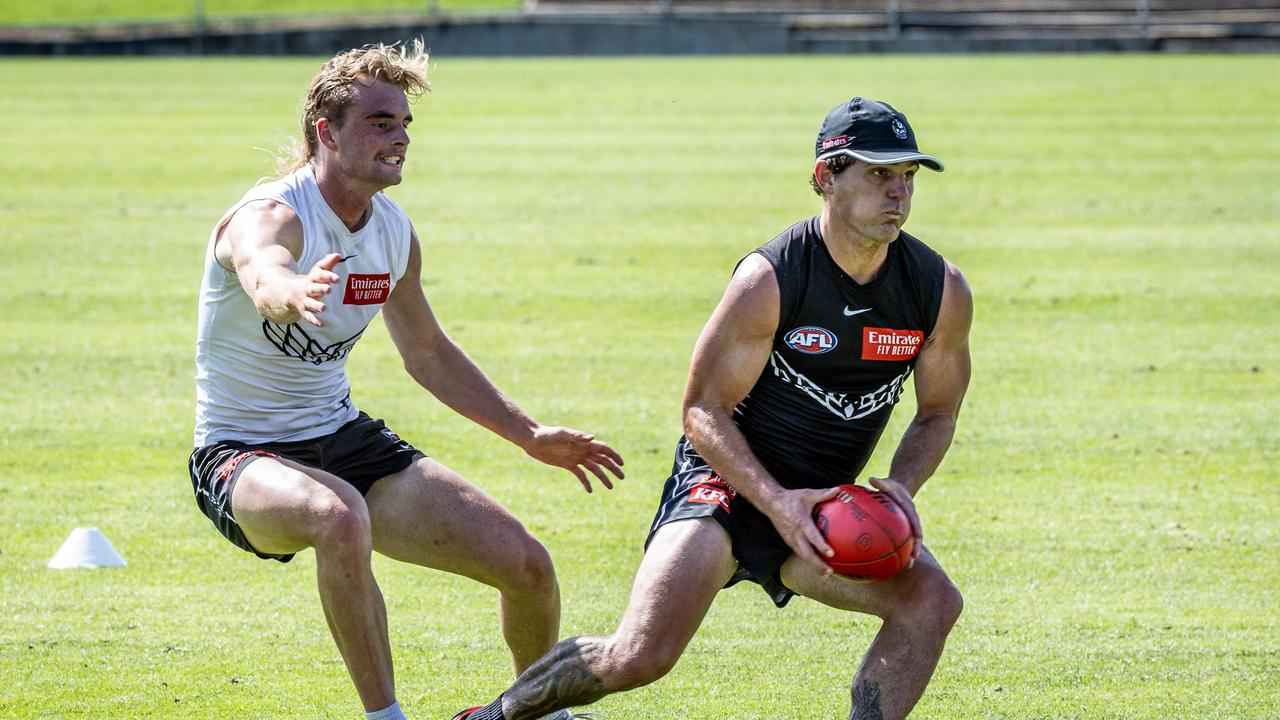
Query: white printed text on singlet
(840, 404)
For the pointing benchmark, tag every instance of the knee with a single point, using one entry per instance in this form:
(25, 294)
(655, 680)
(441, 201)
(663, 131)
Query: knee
(947, 604)
(533, 573)
(634, 663)
(341, 524)
(939, 604)
(934, 604)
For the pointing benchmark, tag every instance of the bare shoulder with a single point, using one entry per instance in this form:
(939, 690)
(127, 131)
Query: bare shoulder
(256, 225)
(412, 267)
(415, 252)
(755, 270)
(734, 345)
(752, 299)
(956, 314)
(955, 281)
(754, 274)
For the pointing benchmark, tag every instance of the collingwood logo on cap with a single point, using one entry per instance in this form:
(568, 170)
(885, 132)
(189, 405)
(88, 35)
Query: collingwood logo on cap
(899, 130)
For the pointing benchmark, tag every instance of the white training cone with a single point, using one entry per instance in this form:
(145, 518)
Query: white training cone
(86, 548)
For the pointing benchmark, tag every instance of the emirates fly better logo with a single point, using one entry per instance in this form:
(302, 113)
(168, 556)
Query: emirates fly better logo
(890, 344)
(367, 289)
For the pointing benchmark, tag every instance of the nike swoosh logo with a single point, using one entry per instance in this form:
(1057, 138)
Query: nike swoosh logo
(851, 313)
(347, 258)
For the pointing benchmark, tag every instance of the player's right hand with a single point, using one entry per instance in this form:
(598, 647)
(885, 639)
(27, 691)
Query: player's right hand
(900, 495)
(304, 298)
(792, 516)
(574, 451)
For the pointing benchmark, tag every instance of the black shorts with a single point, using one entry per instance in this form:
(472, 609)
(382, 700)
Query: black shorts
(360, 452)
(694, 490)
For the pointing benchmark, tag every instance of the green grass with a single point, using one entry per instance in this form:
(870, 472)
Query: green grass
(1110, 507)
(90, 12)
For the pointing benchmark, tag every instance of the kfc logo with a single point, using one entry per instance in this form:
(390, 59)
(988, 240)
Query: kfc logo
(713, 492)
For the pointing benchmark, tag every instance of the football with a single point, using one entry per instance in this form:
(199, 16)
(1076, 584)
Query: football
(869, 533)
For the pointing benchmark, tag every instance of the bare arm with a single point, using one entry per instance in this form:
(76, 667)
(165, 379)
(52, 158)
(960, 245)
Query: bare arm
(440, 365)
(942, 377)
(727, 360)
(262, 242)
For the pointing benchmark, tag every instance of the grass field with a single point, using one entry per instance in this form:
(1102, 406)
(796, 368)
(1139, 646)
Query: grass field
(76, 12)
(1110, 508)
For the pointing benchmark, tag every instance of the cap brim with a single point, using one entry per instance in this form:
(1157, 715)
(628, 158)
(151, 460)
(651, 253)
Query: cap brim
(890, 157)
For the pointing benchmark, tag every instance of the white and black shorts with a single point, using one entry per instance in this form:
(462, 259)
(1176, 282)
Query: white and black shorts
(360, 452)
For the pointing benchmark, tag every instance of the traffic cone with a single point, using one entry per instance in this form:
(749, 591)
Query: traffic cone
(86, 548)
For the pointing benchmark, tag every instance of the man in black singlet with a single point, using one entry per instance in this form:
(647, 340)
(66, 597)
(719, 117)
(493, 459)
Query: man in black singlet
(793, 380)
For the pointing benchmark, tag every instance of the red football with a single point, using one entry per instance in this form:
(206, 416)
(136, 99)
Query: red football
(869, 533)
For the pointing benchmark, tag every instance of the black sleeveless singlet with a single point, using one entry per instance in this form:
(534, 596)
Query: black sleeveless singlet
(841, 355)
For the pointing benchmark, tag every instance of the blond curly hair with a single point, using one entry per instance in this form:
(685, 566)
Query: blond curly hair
(332, 90)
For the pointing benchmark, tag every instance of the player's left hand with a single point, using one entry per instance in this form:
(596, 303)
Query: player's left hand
(577, 452)
(899, 493)
(792, 516)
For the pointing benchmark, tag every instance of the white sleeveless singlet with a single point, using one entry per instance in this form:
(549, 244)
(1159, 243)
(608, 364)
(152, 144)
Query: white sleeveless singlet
(258, 381)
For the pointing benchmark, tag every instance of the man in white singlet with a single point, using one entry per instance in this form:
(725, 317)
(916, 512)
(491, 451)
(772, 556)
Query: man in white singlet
(283, 461)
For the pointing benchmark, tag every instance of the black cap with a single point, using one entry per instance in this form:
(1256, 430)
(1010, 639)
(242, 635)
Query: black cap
(872, 132)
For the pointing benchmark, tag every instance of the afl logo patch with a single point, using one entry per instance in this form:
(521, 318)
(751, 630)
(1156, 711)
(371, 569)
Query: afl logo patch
(811, 340)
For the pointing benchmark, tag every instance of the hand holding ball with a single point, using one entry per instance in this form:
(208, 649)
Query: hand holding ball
(869, 533)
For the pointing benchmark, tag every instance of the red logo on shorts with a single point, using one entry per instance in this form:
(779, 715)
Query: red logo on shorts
(229, 467)
(888, 344)
(713, 491)
(367, 289)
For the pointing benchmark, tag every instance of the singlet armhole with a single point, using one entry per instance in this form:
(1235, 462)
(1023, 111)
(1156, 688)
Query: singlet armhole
(222, 228)
(217, 238)
(935, 309)
(789, 303)
(786, 311)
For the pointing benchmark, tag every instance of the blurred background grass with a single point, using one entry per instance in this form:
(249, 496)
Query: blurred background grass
(1109, 507)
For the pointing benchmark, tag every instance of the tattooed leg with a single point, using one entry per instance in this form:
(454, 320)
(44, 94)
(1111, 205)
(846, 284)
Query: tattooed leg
(565, 677)
(866, 702)
(901, 659)
(918, 608)
(687, 563)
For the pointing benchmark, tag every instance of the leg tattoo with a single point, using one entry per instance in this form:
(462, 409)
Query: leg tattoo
(564, 677)
(866, 702)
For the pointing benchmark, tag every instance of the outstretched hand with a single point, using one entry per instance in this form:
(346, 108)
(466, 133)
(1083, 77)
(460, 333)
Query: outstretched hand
(900, 495)
(577, 452)
(304, 298)
(792, 516)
